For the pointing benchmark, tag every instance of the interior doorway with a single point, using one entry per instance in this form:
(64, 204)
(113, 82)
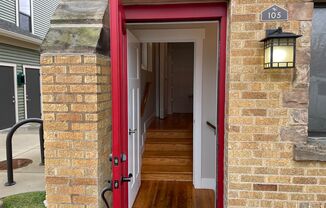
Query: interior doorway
(172, 64)
(181, 77)
(175, 86)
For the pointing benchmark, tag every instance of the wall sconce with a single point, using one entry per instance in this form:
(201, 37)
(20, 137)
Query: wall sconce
(280, 49)
(20, 78)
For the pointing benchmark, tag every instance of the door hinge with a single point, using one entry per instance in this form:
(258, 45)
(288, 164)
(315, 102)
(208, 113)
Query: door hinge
(123, 157)
(116, 184)
(115, 161)
(132, 131)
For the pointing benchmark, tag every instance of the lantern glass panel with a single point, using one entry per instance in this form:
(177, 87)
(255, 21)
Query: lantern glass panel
(267, 57)
(283, 56)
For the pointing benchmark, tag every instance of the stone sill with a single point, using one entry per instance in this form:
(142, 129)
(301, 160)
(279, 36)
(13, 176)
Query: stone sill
(310, 151)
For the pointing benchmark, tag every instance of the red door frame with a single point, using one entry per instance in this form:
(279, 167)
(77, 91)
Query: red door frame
(161, 13)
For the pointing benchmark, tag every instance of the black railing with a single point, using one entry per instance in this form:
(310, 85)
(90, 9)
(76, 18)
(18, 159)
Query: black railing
(212, 126)
(10, 173)
(107, 188)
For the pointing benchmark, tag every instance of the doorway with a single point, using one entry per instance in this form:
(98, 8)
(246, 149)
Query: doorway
(8, 92)
(178, 61)
(180, 77)
(157, 13)
(32, 91)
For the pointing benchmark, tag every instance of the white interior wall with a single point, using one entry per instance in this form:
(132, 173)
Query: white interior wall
(209, 104)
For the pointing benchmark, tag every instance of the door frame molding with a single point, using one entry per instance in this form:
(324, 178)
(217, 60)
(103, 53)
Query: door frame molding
(197, 37)
(14, 66)
(25, 85)
(164, 13)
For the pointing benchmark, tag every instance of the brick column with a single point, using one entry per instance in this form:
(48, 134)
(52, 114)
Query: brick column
(77, 116)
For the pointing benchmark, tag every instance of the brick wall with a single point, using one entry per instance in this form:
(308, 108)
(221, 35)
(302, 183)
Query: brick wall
(76, 113)
(267, 114)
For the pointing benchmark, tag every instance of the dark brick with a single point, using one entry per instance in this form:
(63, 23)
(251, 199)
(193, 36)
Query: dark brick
(265, 187)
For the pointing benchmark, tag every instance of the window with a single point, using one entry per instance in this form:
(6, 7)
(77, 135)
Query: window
(317, 104)
(25, 22)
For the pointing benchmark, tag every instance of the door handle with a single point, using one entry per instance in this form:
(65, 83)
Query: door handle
(127, 179)
(132, 131)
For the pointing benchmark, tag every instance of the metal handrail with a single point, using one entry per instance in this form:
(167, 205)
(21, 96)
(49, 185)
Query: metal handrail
(211, 125)
(10, 174)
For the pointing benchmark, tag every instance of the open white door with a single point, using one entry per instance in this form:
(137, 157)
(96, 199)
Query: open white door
(134, 153)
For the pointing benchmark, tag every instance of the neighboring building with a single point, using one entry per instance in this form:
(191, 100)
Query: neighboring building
(250, 138)
(23, 25)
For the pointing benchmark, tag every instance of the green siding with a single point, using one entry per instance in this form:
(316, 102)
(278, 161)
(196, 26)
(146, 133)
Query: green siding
(8, 10)
(19, 56)
(43, 11)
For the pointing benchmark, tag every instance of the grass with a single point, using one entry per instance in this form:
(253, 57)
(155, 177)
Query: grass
(26, 200)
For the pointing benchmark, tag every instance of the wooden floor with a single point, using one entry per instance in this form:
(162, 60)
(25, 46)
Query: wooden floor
(173, 122)
(168, 149)
(172, 194)
(167, 167)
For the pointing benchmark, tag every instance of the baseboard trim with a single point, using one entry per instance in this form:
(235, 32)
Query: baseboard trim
(147, 123)
(208, 183)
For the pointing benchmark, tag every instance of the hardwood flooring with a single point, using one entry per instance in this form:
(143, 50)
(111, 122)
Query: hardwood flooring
(168, 150)
(179, 121)
(173, 194)
(167, 168)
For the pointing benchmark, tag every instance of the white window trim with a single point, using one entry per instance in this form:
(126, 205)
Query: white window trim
(32, 15)
(14, 66)
(17, 13)
(25, 99)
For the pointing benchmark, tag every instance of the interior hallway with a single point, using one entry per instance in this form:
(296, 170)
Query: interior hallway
(167, 168)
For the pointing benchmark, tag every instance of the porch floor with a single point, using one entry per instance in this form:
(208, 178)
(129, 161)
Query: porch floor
(167, 167)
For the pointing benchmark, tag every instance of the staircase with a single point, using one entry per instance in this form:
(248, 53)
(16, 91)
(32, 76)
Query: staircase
(168, 155)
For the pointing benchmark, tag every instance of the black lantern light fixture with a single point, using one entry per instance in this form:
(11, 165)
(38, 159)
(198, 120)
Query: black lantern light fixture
(279, 49)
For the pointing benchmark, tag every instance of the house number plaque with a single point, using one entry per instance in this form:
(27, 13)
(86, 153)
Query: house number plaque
(274, 13)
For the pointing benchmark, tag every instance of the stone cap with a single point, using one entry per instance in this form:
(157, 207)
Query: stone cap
(79, 12)
(315, 151)
(79, 26)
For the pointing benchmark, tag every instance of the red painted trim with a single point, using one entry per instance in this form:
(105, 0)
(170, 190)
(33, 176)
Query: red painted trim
(159, 13)
(175, 12)
(119, 100)
(221, 113)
